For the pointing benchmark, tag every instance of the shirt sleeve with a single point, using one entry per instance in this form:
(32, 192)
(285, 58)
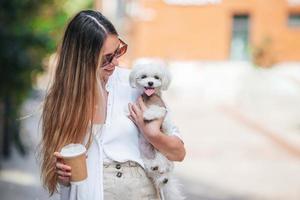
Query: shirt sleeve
(176, 133)
(171, 127)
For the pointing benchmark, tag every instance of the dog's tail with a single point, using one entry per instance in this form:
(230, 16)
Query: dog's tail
(172, 190)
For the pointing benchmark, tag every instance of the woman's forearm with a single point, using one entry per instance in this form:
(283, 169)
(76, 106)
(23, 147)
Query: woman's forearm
(169, 145)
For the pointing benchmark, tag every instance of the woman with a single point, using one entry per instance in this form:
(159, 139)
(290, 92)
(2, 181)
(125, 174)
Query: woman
(85, 105)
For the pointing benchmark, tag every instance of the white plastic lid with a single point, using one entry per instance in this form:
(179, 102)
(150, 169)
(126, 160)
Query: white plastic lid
(72, 150)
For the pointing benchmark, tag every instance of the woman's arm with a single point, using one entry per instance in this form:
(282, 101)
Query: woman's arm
(169, 145)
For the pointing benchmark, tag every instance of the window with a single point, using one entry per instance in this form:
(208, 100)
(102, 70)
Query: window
(239, 49)
(294, 20)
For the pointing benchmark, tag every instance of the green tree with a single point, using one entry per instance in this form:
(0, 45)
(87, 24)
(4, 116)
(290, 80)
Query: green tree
(29, 32)
(21, 53)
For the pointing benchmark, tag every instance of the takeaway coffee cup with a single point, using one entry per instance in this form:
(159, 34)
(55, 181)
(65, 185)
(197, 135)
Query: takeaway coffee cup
(74, 155)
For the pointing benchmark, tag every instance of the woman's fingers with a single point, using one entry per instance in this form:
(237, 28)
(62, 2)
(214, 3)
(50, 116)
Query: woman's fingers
(63, 170)
(142, 104)
(63, 173)
(57, 154)
(136, 110)
(59, 164)
(131, 118)
(63, 167)
(57, 157)
(136, 114)
(131, 111)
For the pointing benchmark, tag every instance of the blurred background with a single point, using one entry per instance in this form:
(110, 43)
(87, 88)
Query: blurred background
(235, 92)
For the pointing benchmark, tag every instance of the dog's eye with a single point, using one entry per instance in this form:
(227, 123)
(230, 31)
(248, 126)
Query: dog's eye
(156, 77)
(144, 76)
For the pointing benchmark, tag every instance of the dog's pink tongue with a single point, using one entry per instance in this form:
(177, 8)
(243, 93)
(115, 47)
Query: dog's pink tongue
(149, 91)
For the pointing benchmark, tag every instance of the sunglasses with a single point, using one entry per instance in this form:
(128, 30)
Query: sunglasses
(107, 59)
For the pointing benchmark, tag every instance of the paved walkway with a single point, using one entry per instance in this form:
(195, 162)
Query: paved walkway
(241, 129)
(20, 176)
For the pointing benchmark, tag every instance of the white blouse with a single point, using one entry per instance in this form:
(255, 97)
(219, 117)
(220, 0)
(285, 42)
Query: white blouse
(116, 140)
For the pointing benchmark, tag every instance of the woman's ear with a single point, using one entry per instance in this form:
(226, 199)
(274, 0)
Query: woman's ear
(132, 79)
(166, 79)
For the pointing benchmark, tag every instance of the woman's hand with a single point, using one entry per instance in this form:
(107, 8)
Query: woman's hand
(63, 171)
(149, 129)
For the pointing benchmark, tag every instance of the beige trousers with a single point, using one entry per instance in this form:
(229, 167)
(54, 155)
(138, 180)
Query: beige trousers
(127, 181)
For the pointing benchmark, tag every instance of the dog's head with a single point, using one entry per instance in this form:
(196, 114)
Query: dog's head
(150, 76)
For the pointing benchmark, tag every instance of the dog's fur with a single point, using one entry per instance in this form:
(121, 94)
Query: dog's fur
(154, 77)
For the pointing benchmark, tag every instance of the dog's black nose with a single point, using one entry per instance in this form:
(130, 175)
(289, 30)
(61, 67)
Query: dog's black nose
(150, 83)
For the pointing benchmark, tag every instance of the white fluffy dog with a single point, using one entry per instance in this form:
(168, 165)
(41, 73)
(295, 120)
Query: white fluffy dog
(151, 77)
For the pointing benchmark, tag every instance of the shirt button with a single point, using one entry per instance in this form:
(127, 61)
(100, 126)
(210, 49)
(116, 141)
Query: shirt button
(118, 166)
(119, 174)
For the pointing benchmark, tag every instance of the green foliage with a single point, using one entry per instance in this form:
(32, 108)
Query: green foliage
(22, 48)
(29, 32)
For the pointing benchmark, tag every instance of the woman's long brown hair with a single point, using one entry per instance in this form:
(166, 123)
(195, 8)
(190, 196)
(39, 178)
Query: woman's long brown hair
(70, 102)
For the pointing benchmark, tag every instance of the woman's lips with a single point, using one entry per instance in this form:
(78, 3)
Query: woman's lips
(111, 69)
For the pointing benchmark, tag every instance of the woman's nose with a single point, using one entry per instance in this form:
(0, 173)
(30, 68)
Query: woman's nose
(115, 61)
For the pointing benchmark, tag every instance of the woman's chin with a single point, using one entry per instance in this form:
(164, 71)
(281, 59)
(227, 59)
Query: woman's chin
(108, 72)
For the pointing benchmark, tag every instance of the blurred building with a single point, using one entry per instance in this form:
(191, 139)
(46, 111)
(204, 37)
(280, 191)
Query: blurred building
(209, 29)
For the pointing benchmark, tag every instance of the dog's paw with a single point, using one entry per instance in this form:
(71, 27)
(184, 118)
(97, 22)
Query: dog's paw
(154, 112)
(165, 181)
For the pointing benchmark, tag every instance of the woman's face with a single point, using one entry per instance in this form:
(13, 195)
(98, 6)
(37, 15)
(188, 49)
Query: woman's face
(111, 44)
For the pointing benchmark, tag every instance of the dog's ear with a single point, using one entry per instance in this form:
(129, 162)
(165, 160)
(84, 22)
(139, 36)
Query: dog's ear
(166, 78)
(132, 78)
